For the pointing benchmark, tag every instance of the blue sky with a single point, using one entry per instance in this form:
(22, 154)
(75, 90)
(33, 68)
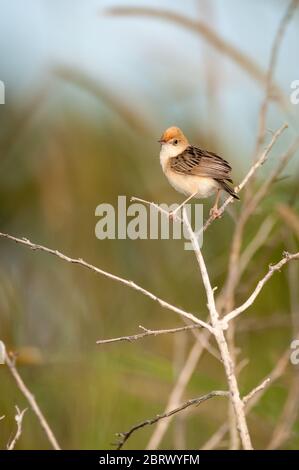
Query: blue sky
(151, 62)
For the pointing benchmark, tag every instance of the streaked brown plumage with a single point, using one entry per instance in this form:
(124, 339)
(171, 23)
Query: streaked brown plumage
(197, 162)
(193, 171)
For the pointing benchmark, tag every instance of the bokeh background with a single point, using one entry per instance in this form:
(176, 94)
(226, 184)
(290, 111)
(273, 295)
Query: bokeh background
(87, 96)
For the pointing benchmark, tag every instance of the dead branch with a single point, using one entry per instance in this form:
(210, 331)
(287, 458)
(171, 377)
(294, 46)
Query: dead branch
(256, 390)
(19, 420)
(285, 423)
(261, 160)
(264, 189)
(147, 332)
(274, 375)
(272, 269)
(124, 436)
(236, 400)
(189, 367)
(32, 401)
(133, 285)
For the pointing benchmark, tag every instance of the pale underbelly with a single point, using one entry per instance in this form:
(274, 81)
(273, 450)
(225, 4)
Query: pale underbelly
(188, 184)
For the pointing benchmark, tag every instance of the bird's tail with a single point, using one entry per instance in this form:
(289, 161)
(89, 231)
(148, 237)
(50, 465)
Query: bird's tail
(228, 189)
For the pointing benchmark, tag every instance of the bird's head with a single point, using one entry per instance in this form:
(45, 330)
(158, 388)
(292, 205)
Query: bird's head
(174, 140)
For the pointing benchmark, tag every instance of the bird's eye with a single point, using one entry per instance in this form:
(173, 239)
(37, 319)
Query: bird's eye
(175, 142)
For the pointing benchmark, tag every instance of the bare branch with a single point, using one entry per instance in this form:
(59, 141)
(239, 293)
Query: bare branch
(32, 402)
(124, 436)
(253, 169)
(236, 401)
(153, 204)
(284, 427)
(235, 269)
(19, 420)
(274, 375)
(263, 190)
(261, 160)
(257, 389)
(272, 269)
(189, 367)
(133, 285)
(147, 332)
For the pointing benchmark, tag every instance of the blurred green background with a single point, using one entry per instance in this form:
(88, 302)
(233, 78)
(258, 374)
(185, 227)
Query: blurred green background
(87, 97)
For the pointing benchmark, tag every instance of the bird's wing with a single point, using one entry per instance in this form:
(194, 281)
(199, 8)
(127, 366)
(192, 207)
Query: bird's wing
(197, 162)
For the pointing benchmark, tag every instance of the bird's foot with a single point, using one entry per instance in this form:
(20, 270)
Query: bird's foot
(215, 213)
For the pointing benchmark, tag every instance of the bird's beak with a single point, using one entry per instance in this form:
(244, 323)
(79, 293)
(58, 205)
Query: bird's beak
(161, 141)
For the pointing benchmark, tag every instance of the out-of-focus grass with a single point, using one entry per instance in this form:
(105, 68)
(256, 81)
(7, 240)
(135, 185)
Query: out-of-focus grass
(55, 170)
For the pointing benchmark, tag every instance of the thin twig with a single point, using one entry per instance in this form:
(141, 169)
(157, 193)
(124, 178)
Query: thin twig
(19, 420)
(285, 423)
(272, 269)
(178, 388)
(124, 436)
(153, 204)
(147, 332)
(235, 269)
(274, 375)
(257, 389)
(130, 283)
(32, 402)
(133, 285)
(263, 190)
(187, 371)
(253, 169)
(236, 400)
(79, 261)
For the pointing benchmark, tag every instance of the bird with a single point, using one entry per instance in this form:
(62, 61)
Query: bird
(195, 172)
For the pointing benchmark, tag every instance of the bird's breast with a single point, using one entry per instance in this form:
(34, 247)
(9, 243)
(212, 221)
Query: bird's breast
(189, 184)
(186, 184)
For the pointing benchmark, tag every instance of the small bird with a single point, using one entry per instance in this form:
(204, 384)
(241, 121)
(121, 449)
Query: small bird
(192, 171)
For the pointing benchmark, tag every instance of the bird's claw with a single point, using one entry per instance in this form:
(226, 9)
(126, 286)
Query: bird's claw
(215, 213)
